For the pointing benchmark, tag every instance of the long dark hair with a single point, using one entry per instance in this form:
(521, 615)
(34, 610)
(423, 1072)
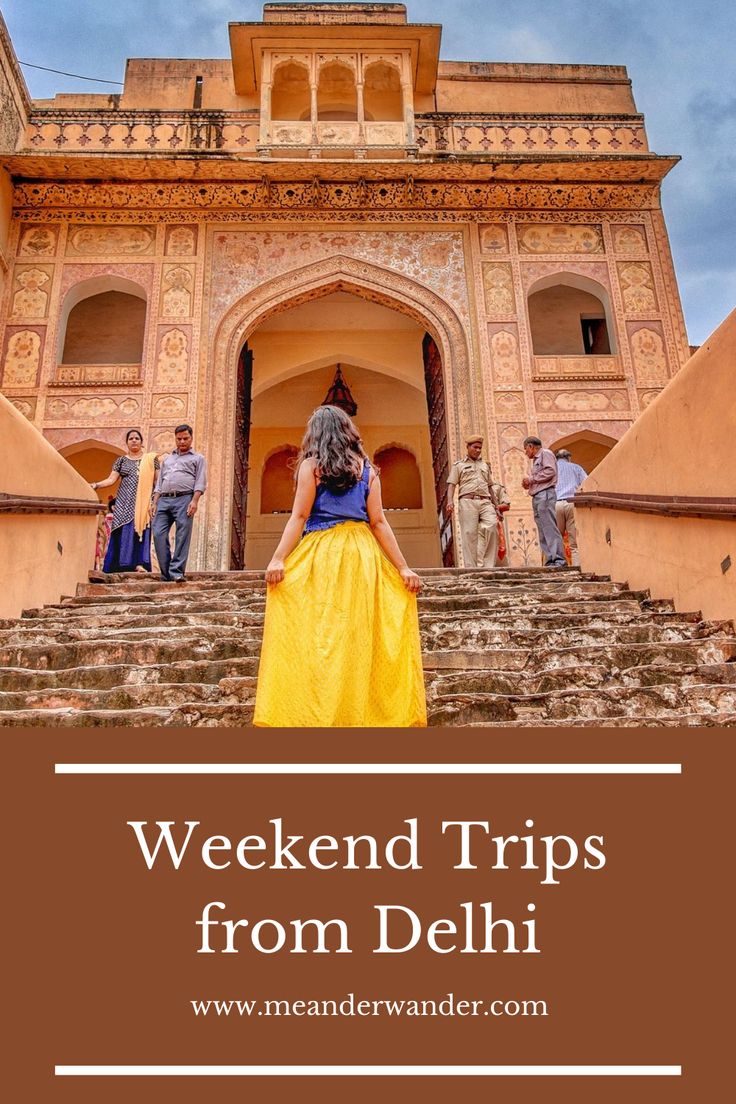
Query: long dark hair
(333, 442)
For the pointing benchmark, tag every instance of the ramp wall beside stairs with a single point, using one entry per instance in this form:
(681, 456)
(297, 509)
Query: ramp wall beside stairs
(48, 518)
(660, 509)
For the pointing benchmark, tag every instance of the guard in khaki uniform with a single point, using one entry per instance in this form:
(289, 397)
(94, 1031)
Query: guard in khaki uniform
(477, 514)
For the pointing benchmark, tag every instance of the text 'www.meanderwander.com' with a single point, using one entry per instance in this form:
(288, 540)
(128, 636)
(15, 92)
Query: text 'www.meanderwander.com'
(351, 1005)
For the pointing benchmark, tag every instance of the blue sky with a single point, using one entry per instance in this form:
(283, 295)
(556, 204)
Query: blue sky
(680, 55)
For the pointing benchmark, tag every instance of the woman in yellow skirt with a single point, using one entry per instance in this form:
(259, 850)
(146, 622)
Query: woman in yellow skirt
(341, 639)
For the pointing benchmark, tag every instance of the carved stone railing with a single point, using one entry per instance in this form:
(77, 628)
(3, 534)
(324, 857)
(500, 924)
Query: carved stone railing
(530, 134)
(142, 131)
(70, 375)
(576, 368)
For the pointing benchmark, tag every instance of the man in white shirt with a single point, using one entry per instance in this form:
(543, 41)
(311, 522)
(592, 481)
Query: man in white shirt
(569, 478)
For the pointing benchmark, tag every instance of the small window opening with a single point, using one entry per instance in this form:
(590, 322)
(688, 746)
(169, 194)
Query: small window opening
(595, 337)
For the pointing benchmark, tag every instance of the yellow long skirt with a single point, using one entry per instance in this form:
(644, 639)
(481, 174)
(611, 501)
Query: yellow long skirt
(341, 639)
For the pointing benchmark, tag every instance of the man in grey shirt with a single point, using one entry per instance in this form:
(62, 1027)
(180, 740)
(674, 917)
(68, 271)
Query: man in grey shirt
(540, 484)
(182, 480)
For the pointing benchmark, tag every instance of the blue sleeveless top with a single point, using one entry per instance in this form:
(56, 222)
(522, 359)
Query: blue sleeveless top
(333, 507)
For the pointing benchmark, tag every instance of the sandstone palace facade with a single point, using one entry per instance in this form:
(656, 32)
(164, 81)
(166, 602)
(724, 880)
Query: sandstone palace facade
(474, 247)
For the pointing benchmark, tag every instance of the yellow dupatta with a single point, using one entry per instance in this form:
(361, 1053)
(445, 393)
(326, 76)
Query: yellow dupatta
(146, 476)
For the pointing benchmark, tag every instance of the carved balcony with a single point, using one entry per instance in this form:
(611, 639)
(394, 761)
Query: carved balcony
(577, 368)
(283, 136)
(72, 375)
(232, 132)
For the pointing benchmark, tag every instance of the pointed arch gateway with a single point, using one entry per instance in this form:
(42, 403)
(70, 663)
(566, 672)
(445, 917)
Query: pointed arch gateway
(461, 395)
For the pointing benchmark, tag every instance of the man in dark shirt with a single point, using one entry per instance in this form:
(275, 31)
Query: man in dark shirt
(182, 480)
(540, 484)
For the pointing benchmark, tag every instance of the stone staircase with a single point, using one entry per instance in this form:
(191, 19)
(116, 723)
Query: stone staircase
(512, 647)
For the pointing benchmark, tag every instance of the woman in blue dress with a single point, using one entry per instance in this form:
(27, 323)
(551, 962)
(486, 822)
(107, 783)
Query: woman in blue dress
(129, 547)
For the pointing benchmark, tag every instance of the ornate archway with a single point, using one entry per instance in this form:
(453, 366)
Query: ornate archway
(217, 397)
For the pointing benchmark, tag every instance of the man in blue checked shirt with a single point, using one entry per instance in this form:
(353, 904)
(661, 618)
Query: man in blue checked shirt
(569, 478)
(182, 480)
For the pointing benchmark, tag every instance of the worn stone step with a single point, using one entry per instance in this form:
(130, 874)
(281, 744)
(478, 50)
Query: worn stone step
(108, 675)
(86, 718)
(241, 717)
(143, 608)
(584, 704)
(475, 598)
(438, 579)
(469, 623)
(132, 628)
(224, 604)
(133, 696)
(480, 583)
(144, 644)
(557, 620)
(164, 592)
(680, 720)
(584, 676)
(616, 657)
(483, 599)
(437, 576)
(196, 715)
(148, 652)
(489, 637)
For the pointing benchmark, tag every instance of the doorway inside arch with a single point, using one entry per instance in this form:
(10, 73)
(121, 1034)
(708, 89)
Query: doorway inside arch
(394, 372)
(586, 446)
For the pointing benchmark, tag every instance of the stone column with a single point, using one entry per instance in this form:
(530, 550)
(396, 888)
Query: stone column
(407, 96)
(313, 112)
(265, 135)
(361, 113)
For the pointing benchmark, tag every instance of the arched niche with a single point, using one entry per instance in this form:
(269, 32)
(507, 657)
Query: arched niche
(587, 447)
(290, 93)
(382, 96)
(277, 480)
(337, 94)
(93, 460)
(103, 321)
(401, 480)
(570, 315)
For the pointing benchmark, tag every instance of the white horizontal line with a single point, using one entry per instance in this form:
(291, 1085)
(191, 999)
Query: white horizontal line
(368, 1071)
(368, 768)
